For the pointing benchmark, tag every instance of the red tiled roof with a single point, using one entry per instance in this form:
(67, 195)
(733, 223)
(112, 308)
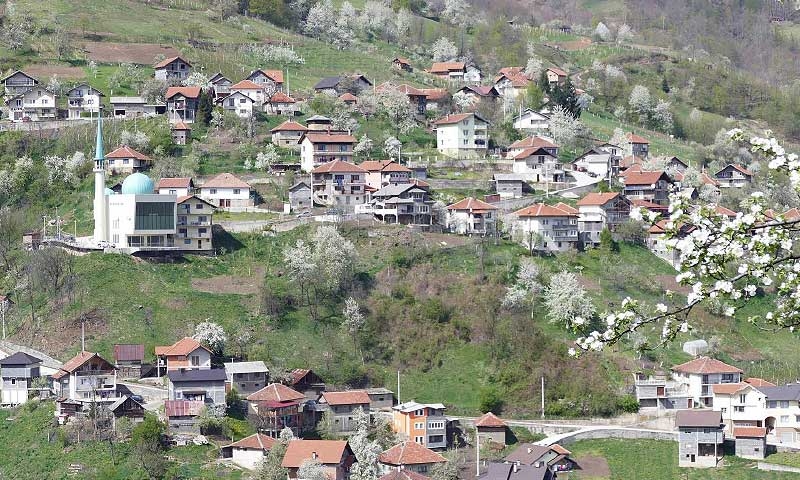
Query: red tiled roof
(291, 126)
(127, 152)
(75, 363)
(348, 97)
(528, 151)
(328, 452)
(758, 432)
(280, 97)
(184, 346)
(316, 137)
(542, 210)
(472, 204)
(274, 75)
(188, 92)
(353, 397)
(533, 142)
(446, 67)
(183, 408)
(298, 373)
(558, 71)
(725, 211)
(705, 365)
(225, 180)
(183, 198)
(167, 61)
(453, 118)
(559, 449)
(401, 60)
(383, 166)
(181, 126)
(435, 93)
(338, 166)
(174, 182)
(126, 353)
(256, 441)
(597, 199)
(489, 419)
(638, 202)
(759, 382)
(410, 453)
(728, 388)
(708, 179)
(633, 138)
(276, 392)
(420, 183)
(403, 475)
(247, 85)
(742, 169)
(644, 177)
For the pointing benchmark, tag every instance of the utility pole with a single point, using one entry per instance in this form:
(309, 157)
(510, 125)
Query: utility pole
(3, 307)
(398, 387)
(543, 396)
(477, 453)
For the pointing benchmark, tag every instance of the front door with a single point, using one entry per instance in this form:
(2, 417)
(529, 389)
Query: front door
(199, 244)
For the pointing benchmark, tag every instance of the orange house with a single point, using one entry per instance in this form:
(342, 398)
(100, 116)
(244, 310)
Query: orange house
(423, 423)
(186, 353)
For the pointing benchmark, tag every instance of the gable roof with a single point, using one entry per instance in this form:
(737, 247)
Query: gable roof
(482, 90)
(174, 182)
(322, 137)
(188, 92)
(181, 126)
(446, 67)
(597, 198)
(225, 180)
(299, 374)
(558, 71)
(705, 365)
(91, 88)
(328, 452)
(735, 167)
(352, 397)
(256, 441)
(633, 138)
(280, 97)
(435, 94)
(348, 97)
(728, 388)
(274, 75)
(698, 418)
(128, 352)
(127, 152)
(197, 375)
(645, 177)
(246, 367)
(167, 61)
(533, 142)
(184, 198)
(532, 151)
(383, 166)
(527, 453)
(19, 358)
(757, 432)
(489, 419)
(184, 346)
(758, 382)
(457, 117)
(276, 392)
(471, 204)
(327, 82)
(291, 126)
(542, 210)
(218, 77)
(77, 362)
(339, 166)
(35, 80)
(121, 401)
(410, 453)
(246, 85)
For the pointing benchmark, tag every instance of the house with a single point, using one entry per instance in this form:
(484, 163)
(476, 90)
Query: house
(337, 85)
(596, 161)
(490, 428)
(126, 407)
(246, 377)
(185, 353)
(35, 105)
(402, 64)
(182, 103)
(555, 76)
(781, 412)
(473, 75)
(335, 456)
(240, 103)
(509, 185)
(348, 99)
(221, 85)
(281, 104)
(133, 107)
(539, 165)
(453, 71)
(410, 456)
(751, 442)
(227, 191)
(636, 145)
(18, 371)
(272, 80)
(307, 382)
(343, 407)
(512, 471)
(257, 92)
(659, 243)
(250, 451)
(381, 173)
(48, 365)
(81, 99)
(320, 123)
(690, 385)
(416, 97)
(740, 404)
(401, 203)
(734, 176)
(554, 456)
(599, 211)
(195, 224)
(547, 228)
(277, 407)
(183, 416)
(169, 69)
(462, 135)
(512, 83)
(181, 133)
(288, 134)
(18, 82)
(477, 94)
(700, 438)
(422, 423)
(471, 216)
(534, 142)
(207, 386)
(180, 186)
(436, 98)
(128, 359)
(380, 398)
(86, 378)
(646, 185)
(317, 148)
(531, 121)
(125, 160)
(300, 198)
(339, 184)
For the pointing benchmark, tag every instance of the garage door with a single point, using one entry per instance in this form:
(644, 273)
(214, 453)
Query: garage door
(787, 437)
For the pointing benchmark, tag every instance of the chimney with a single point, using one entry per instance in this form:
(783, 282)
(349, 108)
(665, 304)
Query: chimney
(313, 455)
(515, 468)
(537, 465)
(530, 450)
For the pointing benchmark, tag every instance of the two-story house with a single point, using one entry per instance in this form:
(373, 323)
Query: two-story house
(596, 161)
(478, 95)
(339, 184)
(169, 69)
(182, 103)
(462, 135)
(86, 378)
(179, 186)
(226, 191)
(471, 216)
(287, 134)
(18, 82)
(402, 203)
(276, 407)
(740, 404)
(186, 353)
(530, 121)
(335, 456)
(337, 85)
(416, 97)
(782, 412)
(83, 99)
(690, 384)
(453, 71)
(281, 104)
(636, 146)
(195, 224)
(246, 377)
(700, 438)
(271, 79)
(239, 103)
(18, 371)
(534, 142)
(125, 160)
(318, 148)
(734, 176)
(510, 185)
(343, 406)
(252, 90)
(221, 85)
(539, 165)
(411, 456)
(194, 385)
(598, 211)
(34, 105)
(555, 76)
(547, 228)
(652, 186)
(381, 173)
(300, 197)
(511, 82)
(128, 359)
(422, 423)
(307, 382)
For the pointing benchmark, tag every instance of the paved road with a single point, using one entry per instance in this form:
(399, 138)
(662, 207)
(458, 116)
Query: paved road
(153, 396)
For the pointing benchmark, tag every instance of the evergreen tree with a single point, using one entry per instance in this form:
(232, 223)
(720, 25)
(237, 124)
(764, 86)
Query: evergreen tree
(664, 85)
(544, 83)
(205, 107)
(565, 96)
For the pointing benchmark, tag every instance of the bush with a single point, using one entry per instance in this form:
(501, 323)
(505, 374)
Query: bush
(490, 400)
(628, 404)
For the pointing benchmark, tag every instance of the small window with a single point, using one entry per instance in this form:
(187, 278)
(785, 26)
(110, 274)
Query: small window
(236, 191)
(213, 191)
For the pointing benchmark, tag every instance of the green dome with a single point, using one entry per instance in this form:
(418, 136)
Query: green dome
(137, 184)
(108, 191)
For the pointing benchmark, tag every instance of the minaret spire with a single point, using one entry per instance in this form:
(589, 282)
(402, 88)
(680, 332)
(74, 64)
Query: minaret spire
(100, 200)
(99, 153)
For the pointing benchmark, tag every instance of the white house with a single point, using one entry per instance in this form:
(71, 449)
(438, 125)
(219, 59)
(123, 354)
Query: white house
(175, 68)
(249, 451)
(741, 404)
(126, 160)
(598, 211)
(534, 142)
(596, 161)
(18, 371)
(18, 82)
(381, 173)
(471, 216)
(734, 176)
(268, 78)
(462, 135)
(539, 164)
(318, 148)
(226, 190)
(86, 378)
(549, 228)
(195, 224)
(532, 121)
(83, 99)
(239, 103)
(35, 105)
(185, 354)
(180, 186)
(511, 82)
(251, 89)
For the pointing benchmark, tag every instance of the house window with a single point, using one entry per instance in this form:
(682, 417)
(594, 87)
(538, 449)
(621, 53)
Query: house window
(419, 425)
(419, 413)
(772, 404)
(213, 191)
(785, 419)
(201, 218)
(173, 192)
(723, 409)
(195, 360)
(355, 178)
(742, 398)
(420, 440)
(236, 191)
(199, 206)
(342, 148)
(738, 409)
(784, 403)
(201, 231)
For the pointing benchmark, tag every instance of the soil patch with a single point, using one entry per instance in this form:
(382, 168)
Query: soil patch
(44, 72)
(669, 283)
(140, 53)
(573, 45)
(230, 284)
(592, 467)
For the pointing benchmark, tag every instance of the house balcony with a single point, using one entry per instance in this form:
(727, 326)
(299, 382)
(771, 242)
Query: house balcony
(206, 223)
